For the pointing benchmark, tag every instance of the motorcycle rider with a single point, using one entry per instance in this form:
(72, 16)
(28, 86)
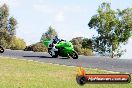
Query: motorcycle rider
(52, 43)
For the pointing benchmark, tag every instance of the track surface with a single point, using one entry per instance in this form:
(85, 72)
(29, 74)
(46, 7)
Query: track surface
(117, 65)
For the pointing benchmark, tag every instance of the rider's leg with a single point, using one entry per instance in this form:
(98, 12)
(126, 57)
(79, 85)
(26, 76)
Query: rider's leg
(53, 50)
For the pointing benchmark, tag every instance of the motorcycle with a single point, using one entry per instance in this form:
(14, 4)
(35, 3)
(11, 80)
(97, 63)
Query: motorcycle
(1, 49)
(62, 48)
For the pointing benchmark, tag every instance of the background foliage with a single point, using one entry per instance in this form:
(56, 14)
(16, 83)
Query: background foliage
(114, 28)
(8, 31)
(82, 46)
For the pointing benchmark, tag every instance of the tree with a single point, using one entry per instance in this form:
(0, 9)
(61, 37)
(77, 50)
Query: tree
(7, 23)
(77, 40)
(49, 34)
(5, 39)
(7, 26)
(114, 28)
(12, 26)
(87, 43)
(4, 14)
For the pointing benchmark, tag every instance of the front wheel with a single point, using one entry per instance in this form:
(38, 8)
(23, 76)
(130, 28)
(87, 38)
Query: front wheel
(55, 53)
(74, 55)
(1, 49)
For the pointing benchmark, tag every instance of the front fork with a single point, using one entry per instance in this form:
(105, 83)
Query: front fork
(52, 50)
(68, 55)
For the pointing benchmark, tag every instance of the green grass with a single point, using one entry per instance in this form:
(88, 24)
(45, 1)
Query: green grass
(28, 74)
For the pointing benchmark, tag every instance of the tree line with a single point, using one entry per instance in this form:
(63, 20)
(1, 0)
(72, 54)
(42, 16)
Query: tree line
(114, 28)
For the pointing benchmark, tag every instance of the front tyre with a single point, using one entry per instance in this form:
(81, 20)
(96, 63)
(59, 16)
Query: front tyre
(56, 54)
(1, 49)
(53, 56)
(74, 55)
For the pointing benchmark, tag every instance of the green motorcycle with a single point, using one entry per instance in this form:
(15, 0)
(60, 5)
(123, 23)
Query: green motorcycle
(62, 48)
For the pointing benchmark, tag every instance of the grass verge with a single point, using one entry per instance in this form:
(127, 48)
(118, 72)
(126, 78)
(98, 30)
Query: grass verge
(28, 74)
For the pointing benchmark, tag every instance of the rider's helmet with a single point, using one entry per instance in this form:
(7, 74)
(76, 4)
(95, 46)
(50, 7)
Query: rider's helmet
(56, 39)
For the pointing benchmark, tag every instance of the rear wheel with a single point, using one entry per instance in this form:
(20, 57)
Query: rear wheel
(1, 49)
(74, 55)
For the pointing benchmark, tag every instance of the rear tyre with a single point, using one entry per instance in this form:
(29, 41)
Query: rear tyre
(1, 49)
(74, 55)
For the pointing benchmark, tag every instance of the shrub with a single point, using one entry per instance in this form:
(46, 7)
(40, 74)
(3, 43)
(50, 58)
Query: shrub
(38, 47)
(28, 48)
(17, 44)
(83, 51)
(78, 49)
(83, 46)
(87, 52)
